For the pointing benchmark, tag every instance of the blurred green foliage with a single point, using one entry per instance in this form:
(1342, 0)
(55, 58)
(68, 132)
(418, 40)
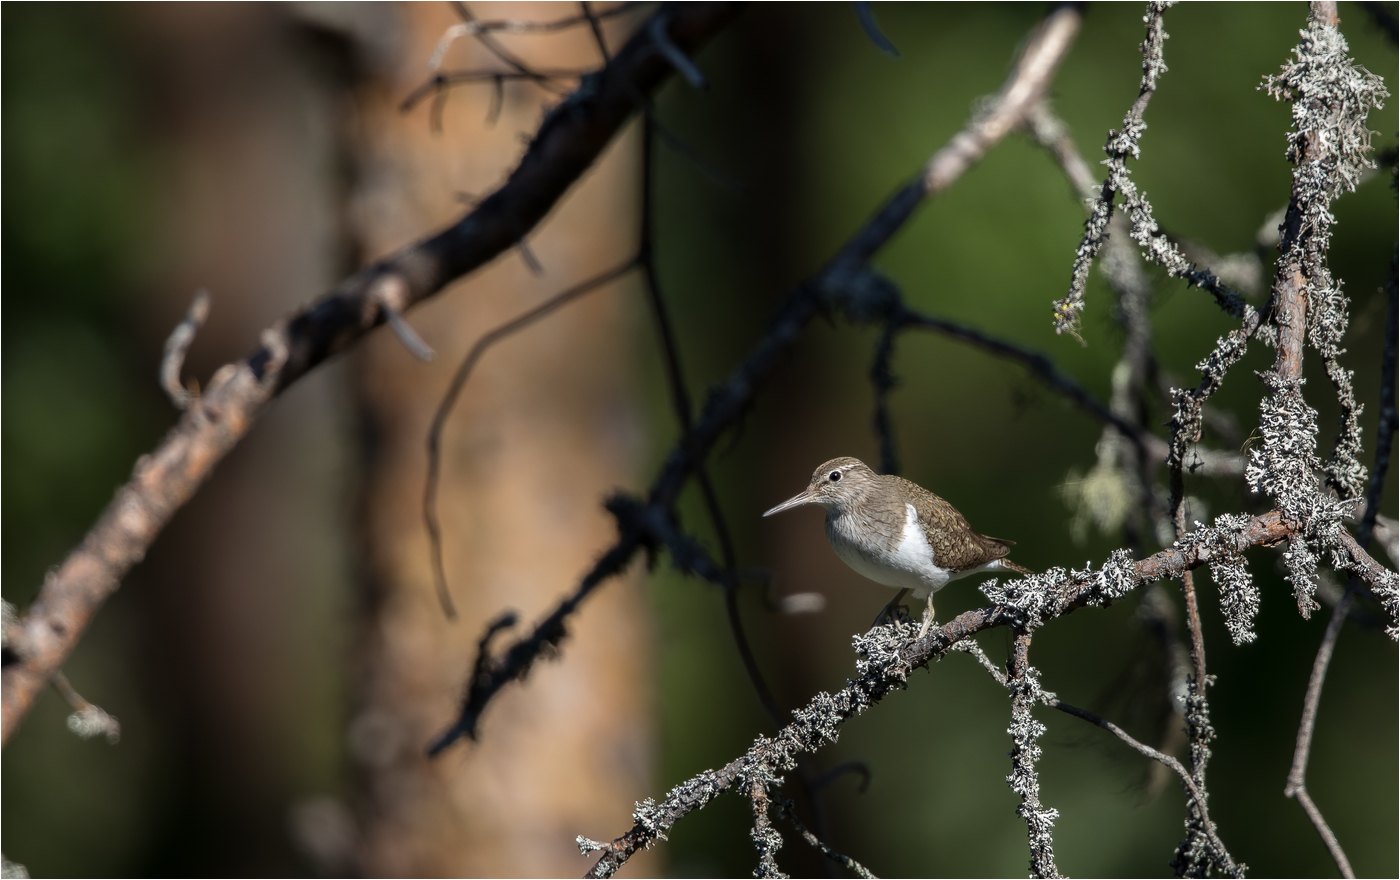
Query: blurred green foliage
(818, 127)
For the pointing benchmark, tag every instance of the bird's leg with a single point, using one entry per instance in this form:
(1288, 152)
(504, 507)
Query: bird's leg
(928, 617)
(890, 611)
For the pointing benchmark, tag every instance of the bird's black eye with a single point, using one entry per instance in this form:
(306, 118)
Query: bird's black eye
(834, 476)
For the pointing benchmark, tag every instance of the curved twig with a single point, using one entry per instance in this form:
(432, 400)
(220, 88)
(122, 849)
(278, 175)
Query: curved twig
(449, 400)
(175, 347)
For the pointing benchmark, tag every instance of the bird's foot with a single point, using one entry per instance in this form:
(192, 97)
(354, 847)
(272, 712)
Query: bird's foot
(929, 620)
(892, 611)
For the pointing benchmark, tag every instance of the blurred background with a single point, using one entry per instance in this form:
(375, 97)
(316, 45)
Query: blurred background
(279, 660)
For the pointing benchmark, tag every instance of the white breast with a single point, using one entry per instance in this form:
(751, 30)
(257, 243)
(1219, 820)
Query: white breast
(908, 564)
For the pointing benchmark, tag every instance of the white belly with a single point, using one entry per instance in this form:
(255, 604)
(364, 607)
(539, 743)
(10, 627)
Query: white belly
(909, 564)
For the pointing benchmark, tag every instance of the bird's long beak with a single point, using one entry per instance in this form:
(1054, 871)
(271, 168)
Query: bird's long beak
(794, 501)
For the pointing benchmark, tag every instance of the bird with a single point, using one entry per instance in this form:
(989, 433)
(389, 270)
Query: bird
(897, 533)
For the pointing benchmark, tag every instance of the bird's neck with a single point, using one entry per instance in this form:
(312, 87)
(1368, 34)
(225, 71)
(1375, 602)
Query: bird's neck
(871, 515)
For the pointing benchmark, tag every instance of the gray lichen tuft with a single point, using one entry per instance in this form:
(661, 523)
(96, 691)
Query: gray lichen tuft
(91, 721)
(1239, 595)
(1283, 466)
(1302, 574)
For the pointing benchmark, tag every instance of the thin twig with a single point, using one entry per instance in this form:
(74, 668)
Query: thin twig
(176, 346)
(681, 406)
(1228, 863)
(490, 674)
(785, 808)
(1296, 786)
(678, 59)
(88, 720)
(449, 400)
(596, 26)
(389, 293)
(437, 85)
(872, 29)
(883, 380)
(1036, 362)
(492, 45)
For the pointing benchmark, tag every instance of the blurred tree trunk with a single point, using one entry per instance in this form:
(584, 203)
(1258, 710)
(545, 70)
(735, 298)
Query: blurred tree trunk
(545, 427)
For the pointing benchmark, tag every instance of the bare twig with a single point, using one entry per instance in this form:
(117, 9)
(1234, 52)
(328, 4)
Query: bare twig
(681, 405)
(389, 294)
(437, 85)
(595, 25)
(785, 808)
(570, 138)
(1227, 863)
(491, 673)
(872, 29)
(481, 670)
(176, 346)
(87, 720)
(1297, 785)
(449, 400)
(474, 26)
(883, 380)
(1037, 363)
(487, 39)
(677, 59)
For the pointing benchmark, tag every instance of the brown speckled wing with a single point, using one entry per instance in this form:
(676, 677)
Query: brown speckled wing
(955, 544)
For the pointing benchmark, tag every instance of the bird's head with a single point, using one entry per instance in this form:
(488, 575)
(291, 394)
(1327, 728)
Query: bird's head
(834, 484)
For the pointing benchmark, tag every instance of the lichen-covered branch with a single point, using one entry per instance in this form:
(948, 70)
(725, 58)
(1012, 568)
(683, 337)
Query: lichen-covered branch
(1121, 145)
(1023, 680)
(1329, 147)
(886, 655)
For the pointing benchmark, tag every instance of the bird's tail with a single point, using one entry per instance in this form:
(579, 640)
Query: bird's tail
(1019, 569)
